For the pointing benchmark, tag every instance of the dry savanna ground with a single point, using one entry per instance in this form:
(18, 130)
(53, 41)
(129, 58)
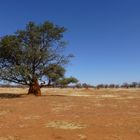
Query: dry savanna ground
(70, 114)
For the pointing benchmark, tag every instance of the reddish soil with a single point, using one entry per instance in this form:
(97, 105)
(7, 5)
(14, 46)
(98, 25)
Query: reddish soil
(70, 114)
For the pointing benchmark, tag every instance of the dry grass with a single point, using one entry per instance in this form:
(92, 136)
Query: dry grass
(10, 138)
(14, 90)
(70, 114)
(64, 125)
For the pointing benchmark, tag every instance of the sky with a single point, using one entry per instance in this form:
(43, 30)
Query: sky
(103, 35)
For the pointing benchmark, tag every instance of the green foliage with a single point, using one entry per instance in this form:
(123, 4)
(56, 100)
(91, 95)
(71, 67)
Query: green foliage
(25, 55)
(66, 81)
(54, 72)
(84, 85)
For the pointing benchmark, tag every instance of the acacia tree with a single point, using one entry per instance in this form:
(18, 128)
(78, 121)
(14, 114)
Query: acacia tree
(27, 53)
(63, 82)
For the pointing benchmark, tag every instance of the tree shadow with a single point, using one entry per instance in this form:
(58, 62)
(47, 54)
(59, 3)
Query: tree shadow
(10, 95)
(59, 95)
(55, 95)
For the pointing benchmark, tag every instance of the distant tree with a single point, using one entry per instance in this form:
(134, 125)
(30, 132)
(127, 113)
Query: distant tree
(125, 85)
(100, 86)
(134, 84)
(54, 72)
(78, 85)
(112, 86)
(72, 80)
(66, 81)
(117, 86)
(26, 54)
(105, 86)
(138, 85)
(85, 85)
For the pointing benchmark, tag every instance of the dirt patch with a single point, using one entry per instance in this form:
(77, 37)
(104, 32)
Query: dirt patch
(61, 107)
(82, 137)
(31, 117)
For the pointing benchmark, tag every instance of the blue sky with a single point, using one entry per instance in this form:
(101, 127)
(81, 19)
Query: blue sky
(104, 35)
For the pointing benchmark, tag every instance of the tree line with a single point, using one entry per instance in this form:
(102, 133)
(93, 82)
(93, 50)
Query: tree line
(72, 82)
(124, 85)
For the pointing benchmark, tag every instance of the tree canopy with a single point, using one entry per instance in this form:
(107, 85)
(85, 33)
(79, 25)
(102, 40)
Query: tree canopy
(54, 72)
(63, 82)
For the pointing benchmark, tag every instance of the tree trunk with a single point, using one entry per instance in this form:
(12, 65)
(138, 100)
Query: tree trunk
(49, 83)
(34, 88)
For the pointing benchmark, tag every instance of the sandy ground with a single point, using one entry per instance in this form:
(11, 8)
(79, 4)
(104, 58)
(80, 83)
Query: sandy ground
(70, 114)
